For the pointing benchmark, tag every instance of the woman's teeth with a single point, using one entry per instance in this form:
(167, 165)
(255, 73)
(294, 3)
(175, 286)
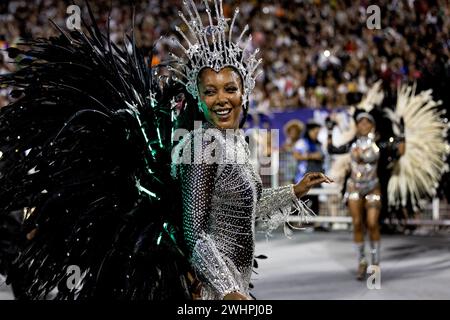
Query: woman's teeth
(223, 112)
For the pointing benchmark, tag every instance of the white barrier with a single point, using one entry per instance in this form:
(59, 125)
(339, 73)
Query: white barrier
(432, 213)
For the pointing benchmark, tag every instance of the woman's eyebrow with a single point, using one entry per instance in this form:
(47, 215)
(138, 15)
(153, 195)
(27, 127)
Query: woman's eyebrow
(209, 86)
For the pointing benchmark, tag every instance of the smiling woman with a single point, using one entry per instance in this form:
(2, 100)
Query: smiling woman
(221, 200)
(221, 93)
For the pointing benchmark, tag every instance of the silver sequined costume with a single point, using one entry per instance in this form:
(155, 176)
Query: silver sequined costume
(222, 198)
(363, 178)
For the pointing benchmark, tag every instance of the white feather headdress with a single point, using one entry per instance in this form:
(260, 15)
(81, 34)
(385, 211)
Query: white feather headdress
(417, 173)
(373, 97)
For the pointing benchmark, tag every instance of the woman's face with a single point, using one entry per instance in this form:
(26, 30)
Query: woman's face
(364, 127)
(294, 133)
(222, 93)
(314, 133)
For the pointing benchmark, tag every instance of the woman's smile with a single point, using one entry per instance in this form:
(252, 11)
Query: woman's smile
(221, 96)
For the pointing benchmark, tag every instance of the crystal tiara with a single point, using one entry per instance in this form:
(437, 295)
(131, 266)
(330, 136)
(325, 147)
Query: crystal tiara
(211, 45)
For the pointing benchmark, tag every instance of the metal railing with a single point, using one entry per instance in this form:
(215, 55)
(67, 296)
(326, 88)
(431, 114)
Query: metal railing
(332, 209)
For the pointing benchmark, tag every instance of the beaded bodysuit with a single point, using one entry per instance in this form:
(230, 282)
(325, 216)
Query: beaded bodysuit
(363, 179)
(222, 197)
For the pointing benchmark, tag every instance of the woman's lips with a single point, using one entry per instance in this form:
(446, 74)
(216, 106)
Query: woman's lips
(223, 113)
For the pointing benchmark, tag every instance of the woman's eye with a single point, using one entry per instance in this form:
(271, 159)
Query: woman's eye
(232, 89)
(209, 92)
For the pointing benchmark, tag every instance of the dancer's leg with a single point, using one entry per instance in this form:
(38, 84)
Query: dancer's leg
(356, 210)
(373, 206)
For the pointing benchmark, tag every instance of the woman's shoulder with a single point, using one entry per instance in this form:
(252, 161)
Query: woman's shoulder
(201, 138)
(202, 145)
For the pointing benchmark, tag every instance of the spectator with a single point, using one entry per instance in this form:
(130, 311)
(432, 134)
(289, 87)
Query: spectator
(321, 52)
(310, 156)
(293, 131)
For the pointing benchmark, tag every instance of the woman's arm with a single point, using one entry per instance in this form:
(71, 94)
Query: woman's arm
(338, 150)
(318, 156)
(393, 147)
(197, 185)
(301, 152)
(276, 204)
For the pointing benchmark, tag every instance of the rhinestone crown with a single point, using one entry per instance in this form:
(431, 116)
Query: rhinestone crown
(211, 46)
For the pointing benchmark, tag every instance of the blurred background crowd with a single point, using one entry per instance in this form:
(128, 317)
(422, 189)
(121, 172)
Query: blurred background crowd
(317, 54)
(319, 57)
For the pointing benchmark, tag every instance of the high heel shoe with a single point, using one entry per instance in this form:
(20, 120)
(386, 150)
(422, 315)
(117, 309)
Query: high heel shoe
(362, 270)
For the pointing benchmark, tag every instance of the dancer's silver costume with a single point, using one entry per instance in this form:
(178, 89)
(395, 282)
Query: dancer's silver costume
(363, 179)
(222, 198)
(222, 193)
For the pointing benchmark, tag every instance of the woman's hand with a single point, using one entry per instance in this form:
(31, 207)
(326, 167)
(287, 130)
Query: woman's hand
(310, 180)
(236, 295)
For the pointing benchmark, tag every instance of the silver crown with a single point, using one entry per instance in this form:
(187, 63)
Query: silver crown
(211, 46)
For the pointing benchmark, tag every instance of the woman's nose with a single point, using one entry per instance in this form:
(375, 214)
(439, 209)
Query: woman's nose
(222, 98)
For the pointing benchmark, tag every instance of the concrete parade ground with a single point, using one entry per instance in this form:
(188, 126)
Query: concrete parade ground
(322, 265)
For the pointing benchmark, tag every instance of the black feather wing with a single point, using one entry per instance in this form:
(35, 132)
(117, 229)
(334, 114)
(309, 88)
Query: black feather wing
(86, 163)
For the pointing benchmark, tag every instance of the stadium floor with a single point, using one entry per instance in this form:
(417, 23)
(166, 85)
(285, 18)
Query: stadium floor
(321, 265)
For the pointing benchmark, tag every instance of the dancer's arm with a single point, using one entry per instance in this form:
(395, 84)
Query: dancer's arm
(276, 204)
(197, 185)
(338, 150)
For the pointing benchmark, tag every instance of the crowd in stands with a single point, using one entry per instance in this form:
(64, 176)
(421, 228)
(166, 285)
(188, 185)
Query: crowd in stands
(316, 53)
